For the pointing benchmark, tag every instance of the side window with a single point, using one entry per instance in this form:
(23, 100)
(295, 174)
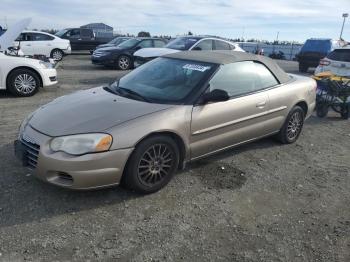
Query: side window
(265, 77)
(159, 43)
(221, 45)
(74, 33)
(204, 45)
(41, 37)
(236, 78)
(21, 37)
(232, 47)
(145, 43)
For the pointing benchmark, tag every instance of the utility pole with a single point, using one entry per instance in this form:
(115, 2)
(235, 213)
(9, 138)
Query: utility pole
(345, 15)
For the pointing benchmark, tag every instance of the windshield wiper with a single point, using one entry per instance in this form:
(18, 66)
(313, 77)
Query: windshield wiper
(132, 94)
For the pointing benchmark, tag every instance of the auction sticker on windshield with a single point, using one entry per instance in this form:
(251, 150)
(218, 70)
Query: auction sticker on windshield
(196, 67)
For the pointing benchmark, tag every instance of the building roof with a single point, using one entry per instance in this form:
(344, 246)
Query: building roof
(223, 57)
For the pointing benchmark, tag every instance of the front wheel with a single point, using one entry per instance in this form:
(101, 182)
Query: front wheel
(23, 82)
(57, 54)
(345, 112)
(124, 62)
(152, 165)
(293, 125)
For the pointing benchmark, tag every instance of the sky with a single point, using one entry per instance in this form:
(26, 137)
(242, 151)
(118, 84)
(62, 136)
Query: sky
(295, 20)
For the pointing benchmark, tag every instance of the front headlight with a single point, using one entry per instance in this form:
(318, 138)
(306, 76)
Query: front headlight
(82, 144)
(45, 65)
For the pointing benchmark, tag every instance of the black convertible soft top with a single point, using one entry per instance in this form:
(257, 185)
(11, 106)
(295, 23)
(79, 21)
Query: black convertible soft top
(227, 57)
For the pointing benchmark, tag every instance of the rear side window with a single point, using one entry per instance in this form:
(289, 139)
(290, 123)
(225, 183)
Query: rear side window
(342, 55)
(265, 77)
(145, 43)
(41, 37)
(220, 45)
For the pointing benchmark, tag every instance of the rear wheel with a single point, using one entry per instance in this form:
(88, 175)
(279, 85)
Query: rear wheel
(345, 113)
(303, 68)
(152, 165)
(23, 82)
(293, 125)
(57, 54)
(322, 110)
(124, 62)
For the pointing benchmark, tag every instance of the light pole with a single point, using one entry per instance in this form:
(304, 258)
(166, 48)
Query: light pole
(345, 15)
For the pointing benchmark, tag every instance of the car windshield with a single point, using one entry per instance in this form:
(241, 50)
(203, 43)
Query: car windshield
(164, 80)
(182, 43)
(61, 32)
(116, 41)
(129, 43)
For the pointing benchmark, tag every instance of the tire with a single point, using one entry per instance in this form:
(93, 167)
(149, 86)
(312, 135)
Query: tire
(345, 113)
(57, 54)
(293, 126)
(322, 110)
(124, 62)
(23, 82)
(303, 68)
(152, 165)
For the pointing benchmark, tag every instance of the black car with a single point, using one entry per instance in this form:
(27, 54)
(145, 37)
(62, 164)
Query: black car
(116, 41)
(121, 56)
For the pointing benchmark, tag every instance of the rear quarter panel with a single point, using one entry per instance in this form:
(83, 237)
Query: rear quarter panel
(298, 90)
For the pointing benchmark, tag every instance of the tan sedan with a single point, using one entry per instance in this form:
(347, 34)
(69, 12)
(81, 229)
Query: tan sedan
(172, 110)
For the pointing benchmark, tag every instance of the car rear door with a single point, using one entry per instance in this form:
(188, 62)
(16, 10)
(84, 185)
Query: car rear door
(42, 44)
(244, 117)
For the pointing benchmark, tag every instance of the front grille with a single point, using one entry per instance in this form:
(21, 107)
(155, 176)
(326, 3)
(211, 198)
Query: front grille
(31, 153)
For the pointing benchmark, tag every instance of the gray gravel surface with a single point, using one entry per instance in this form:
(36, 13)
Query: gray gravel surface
(260, 202)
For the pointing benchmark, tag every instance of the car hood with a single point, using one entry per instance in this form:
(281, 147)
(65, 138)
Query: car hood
(7, 38)
(104, 45)
(111, 48)
(88, 111)
(155, 52)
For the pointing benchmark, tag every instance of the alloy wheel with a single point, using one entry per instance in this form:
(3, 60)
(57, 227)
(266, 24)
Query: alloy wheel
(25, 83)
(123, 63)
(155, 164)
(57, 55)
(294, 125)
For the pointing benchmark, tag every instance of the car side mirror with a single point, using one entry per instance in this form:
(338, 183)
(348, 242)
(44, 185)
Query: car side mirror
(197, 48)
(217, 95)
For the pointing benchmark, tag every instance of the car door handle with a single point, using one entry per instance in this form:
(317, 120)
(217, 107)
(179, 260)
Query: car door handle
(261, 104)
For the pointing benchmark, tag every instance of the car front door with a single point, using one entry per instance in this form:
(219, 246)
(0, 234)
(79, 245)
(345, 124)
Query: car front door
(42, 44)
(243, 117)
(25, 41)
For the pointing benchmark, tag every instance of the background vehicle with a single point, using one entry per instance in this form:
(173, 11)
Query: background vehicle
(24, 76)
(312, 52)
(82, 38)
(199, 43)
(278, 55)
(41, 43)
(175, 109)
(116, 41)
(122, 56)
(337, 62)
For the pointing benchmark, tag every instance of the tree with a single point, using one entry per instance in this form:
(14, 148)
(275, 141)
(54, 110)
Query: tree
(144, 34)
(190, 33)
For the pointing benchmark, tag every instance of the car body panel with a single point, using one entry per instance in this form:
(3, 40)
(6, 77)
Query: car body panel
(9, 63)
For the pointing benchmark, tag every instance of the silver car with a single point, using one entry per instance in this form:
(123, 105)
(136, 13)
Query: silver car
(175, 109)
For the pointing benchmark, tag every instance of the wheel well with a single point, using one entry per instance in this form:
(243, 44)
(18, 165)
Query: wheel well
(54, 50)
(304, 106)
(178, 140)
(26, 68)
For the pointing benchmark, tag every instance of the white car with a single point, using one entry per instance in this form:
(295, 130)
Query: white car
(24, 76)
(337, 62)
(41, 43)
(199, 43)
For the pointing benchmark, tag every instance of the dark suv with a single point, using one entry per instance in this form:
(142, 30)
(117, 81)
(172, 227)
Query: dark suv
(313, 51)
(121, 56)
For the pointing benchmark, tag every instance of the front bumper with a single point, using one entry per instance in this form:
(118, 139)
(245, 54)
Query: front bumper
(88, 171)
(67, 51)
(103, 60)
(49, 76)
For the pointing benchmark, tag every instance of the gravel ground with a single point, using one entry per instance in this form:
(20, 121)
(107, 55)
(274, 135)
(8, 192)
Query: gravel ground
(259, 202)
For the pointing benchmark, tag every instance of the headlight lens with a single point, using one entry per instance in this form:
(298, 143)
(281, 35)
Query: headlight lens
(82, 144)
(45, 65)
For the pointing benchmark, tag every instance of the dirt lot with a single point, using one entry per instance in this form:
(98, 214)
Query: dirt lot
(260, 202)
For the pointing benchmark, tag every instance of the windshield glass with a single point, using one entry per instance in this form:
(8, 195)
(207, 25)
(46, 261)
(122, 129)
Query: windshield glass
(182, 43)
(61, 32)
(129, 43)
(165, 80)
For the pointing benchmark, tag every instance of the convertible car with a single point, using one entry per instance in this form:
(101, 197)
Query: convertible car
(177, 108)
